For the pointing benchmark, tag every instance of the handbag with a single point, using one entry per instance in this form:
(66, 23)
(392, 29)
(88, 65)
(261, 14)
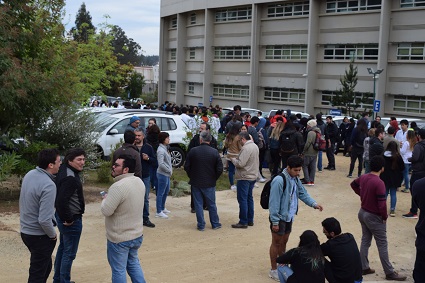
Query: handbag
(284, 272)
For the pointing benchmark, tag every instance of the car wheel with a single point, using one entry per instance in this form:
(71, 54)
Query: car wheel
(177, 156)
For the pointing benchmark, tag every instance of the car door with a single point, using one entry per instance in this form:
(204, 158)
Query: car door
(113, 138)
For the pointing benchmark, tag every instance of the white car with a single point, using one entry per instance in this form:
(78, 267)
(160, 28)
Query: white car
(112, 124)
(303, 114)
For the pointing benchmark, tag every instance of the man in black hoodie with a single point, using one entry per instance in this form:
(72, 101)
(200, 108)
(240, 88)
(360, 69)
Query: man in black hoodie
(331, 136)
(418, 195)
(345, 265)
(376, 146)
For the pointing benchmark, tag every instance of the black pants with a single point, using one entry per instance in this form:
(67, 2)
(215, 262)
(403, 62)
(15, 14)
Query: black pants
(418, 271)
(413, 179)
(356, 153)
(41, 249)
(330, 154)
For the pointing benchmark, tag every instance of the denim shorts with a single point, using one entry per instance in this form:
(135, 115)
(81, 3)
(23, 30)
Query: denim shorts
(284, 227)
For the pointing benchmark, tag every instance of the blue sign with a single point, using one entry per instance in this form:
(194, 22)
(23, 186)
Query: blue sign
(376, 105)
(335, 112)
(200, 104)
(211, 97)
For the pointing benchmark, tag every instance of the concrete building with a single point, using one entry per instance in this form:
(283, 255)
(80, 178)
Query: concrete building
(151, 77)
(292, 54)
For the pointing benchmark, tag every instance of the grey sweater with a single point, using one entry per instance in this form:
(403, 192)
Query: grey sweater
(37, 203)
(164, 161)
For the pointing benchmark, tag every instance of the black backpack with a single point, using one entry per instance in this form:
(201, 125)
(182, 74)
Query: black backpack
(287, 143)
(265, 193)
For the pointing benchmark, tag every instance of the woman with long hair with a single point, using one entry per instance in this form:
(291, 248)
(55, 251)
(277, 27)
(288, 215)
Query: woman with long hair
(164, 172)
(233, 146)
(393, 173)
(406, 153)
(274, 144)
(307, 261)
(357, 137)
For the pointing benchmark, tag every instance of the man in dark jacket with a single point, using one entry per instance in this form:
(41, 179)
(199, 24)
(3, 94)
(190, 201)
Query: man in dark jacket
(148, 159)
(345, 265)
(376, 146)
(418, 195)
(203, 167)
(128, 148)
(331, 136)
(70, 207)
(418, 170)
(194, 142)
(321, 125)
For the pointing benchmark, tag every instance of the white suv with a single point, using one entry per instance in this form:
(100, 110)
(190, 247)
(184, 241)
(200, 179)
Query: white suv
(112, 124)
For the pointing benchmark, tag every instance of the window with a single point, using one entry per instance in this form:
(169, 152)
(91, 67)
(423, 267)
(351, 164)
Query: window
(284, 94)
(412, 3)
(410, 104)
(173, 23)
(231, 91)
(367, 98)
(192, 53)
(172, 86)
(351, 51)
(191, 87)
(288, 9)
(173, 52)
(289, 52)
(232, 52)
(411, 51)
(341, 6)
(236, 14)
(193, 18)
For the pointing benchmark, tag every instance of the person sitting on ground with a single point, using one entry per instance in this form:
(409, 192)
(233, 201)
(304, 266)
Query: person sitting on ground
(307, 261)
(345, 265)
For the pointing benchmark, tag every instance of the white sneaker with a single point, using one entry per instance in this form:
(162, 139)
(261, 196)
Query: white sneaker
(166, 211)
(233, 188)
(262, 180)
(273, 275)
(161, 215)
(256, 185)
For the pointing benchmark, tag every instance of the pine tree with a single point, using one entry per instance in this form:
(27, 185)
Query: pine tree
(126, 49)
(345, 97)
(83, 25)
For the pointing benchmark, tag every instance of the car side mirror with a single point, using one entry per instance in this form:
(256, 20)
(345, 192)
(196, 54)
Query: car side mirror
(113, 132)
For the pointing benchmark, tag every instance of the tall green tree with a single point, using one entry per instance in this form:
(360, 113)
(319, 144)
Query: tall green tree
(126, 49)
(149, 60)
(83, 25)
(345, 98)
(135, 85)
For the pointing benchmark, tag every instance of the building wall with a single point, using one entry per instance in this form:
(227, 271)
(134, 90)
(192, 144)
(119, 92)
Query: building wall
(293, 60)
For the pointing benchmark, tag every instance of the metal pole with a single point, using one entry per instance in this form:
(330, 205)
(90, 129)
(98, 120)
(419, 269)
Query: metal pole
(374, 95)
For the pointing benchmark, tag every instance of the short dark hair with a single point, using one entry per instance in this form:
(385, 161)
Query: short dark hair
(255, 119)
(279, 119)
(245, 135)
(128, 162)
(72, 153)
(237, 107)
(259, 112)
(332, 225)
(376, 163)
(208, 127)
(329, 117)
(295, 161)
(405, 122)
(391, 130)
(47, 156)
(162, 136)
(378, 131)
(129, 137)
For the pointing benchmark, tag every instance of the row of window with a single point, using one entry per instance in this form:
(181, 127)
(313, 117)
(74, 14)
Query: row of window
(405, 51)
(284, 94)
(299, 9)
(231, 91)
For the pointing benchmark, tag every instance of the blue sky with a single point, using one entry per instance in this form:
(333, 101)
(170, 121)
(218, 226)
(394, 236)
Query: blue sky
(138, 18)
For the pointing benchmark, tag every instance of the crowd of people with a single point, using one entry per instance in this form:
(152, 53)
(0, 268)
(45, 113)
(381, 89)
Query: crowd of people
(52, 194)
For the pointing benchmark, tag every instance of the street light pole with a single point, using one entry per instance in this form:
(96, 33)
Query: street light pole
(374, 73)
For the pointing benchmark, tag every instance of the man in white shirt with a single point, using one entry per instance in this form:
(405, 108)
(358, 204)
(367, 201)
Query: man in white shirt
(401, 134)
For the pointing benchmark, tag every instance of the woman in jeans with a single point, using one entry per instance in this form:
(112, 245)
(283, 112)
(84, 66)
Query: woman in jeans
(406, 152)
(233, 145)
(164, 172)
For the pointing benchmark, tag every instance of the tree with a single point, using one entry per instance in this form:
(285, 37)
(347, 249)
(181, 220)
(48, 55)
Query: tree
(135, 85)
(125, 49)
(345, 97)
(83, 25)
(149, 60)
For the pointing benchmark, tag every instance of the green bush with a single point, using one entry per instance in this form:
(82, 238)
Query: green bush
(8, 162)
(104, 172)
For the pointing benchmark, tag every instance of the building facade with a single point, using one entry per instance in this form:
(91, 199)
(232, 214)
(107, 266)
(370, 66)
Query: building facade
(292, 54)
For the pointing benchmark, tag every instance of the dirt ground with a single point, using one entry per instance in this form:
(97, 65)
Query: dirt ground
(174, 251)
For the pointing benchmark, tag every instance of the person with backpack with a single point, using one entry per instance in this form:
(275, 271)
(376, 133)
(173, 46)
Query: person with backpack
(291, 142)
(357, 138)
(310, 152)
(285, 190)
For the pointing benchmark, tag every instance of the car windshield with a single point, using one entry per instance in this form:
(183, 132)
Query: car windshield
(103, 120)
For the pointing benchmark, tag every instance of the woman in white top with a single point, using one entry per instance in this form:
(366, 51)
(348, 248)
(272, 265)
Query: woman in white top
(406, 153)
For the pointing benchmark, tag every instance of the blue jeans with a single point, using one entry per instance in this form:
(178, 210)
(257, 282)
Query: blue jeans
(366, 166)
(153, 178)
(162, 191)
(123, 257)
(231, 171)
(245, 200)
(209, 195)
(67, 250)
(393, 194)
(319, 160)
(284, 272)
(406, 174)
(147, 182)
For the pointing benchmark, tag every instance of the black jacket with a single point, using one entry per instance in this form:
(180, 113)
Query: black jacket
(296, 137)
(418, 195)
(69, 201)
(418, 158)
(375, 147)
(133, 151)
(194, 142)
(392, 177)
(203, 166)
(331, 132)
(147, 149)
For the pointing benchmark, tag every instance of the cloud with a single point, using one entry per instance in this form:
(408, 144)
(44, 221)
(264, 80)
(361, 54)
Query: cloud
(139, 19)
